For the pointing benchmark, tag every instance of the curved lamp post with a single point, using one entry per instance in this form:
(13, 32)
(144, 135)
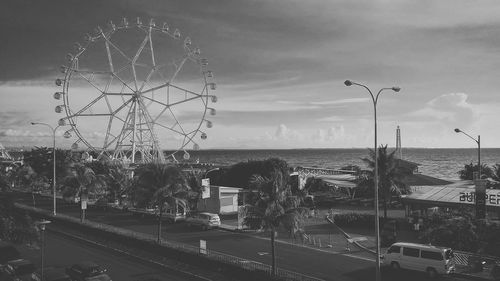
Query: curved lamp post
(375, 177)
(211, 170)
(478, 141)
(53, 160)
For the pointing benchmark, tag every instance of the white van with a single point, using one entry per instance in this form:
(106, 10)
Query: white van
(431, 259)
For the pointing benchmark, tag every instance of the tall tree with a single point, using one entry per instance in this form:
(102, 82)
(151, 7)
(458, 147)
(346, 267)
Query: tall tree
(84, 182)
(390, 180)
(118, 181)
(157, 184)
(275, 205)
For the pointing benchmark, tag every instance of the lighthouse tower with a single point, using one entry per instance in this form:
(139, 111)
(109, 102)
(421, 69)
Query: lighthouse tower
(399, 150)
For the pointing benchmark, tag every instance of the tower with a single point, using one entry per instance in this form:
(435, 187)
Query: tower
(399, 150)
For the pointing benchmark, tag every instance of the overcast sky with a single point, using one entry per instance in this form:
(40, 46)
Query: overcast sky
(280, 67)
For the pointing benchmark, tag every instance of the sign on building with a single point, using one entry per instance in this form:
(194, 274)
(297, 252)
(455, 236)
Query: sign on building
(205, 183)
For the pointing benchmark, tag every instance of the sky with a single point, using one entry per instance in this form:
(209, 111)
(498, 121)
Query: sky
(280, 68)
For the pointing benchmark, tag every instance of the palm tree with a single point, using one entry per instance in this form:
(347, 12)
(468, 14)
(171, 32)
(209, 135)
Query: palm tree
(84, 182)
(118, 181)
(467, 173)
(390, 179)
(274, 206)
(496, 175)
(160, 185)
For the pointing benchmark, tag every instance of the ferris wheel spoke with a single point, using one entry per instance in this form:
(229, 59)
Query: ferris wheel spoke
(90, 80)
(110, 60)
(79, 71)
(78, 113)
(146, 81)
(116, 48)
(169, 128)
(151, 47)
(185, 90)
(178, 69)
(156, 88)
(124, 84)
(134, 60)
(125, 104)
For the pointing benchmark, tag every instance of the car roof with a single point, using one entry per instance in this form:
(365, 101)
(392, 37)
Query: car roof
(209, 214)
(421, 246)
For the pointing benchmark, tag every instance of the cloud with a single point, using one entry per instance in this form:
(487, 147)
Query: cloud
(284, 133)
(451, 109)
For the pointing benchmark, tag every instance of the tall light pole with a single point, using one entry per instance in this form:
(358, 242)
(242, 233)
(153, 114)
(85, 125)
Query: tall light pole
(375, 177)
(478, 141)
(41, 225)
(53, 160)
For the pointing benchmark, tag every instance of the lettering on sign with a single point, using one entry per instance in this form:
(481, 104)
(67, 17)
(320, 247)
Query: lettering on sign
(491, 199)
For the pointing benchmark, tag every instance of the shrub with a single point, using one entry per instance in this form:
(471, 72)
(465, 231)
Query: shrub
(354, 219)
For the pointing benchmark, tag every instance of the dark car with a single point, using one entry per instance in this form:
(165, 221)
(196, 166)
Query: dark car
(8, 252)
(20, 269)
(51, 274)
(86, 271)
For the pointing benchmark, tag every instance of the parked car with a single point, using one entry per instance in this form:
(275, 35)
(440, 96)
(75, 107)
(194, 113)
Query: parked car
(87, 271)
(19, 270)
(8, 252)
(204, 220)
(51, 274)
(431, 259)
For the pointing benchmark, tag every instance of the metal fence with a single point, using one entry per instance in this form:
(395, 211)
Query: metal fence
(465, 258)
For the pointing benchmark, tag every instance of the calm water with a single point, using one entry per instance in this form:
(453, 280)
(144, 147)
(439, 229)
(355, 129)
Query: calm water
(440, 163)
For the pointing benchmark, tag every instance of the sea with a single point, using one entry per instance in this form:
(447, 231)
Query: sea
(443, 163)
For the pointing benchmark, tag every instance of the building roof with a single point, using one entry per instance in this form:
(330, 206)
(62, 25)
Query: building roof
(406, 163)
(457, 193)
(345, 180)
(421, 180)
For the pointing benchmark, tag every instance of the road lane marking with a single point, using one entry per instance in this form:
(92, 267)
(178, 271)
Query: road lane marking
(358, 257)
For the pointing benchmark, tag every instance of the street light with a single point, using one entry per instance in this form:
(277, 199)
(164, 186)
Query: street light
(53, 160)
(375, 177)
(214, 169)
(41, 225)
(478, 141)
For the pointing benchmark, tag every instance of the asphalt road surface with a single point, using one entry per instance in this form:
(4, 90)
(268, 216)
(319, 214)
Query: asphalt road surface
(61, 252)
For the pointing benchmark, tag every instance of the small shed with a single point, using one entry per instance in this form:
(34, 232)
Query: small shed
(222, 200)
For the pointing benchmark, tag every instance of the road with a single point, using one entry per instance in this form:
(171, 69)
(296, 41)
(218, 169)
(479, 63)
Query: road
(304, 260)
(61, 252)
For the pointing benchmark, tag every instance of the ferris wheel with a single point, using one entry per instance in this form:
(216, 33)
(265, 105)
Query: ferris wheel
(134, 90)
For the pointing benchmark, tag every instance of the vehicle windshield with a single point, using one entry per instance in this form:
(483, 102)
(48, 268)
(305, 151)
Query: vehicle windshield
(449, 254)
